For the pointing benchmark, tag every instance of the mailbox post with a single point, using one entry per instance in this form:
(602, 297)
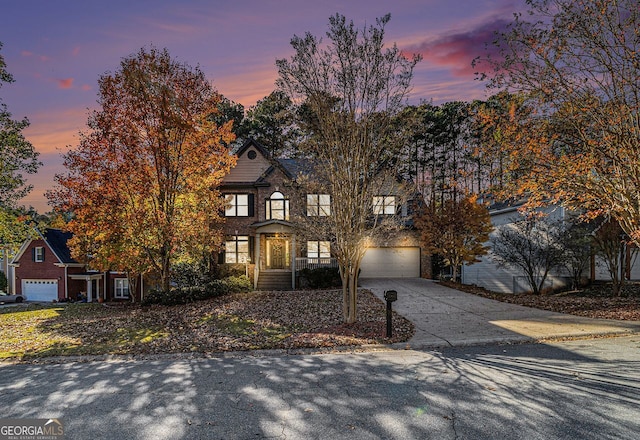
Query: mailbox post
(390, 296)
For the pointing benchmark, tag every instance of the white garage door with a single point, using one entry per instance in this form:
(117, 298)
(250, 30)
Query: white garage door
(391, 263)
(40, 290)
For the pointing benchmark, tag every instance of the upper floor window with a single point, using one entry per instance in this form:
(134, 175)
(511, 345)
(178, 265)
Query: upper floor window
(121, 288)
(238, 205)
(384, 205)
(318, 204)
(277, 207)
(237, 249)
(38, 254)
(318, 250)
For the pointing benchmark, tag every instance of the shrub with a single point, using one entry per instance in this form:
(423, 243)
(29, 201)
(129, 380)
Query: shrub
(3, 282)
(184, 295)
(237, 284)
(320, 278)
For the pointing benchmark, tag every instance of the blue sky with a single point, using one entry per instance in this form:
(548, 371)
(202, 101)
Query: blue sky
(57, 50)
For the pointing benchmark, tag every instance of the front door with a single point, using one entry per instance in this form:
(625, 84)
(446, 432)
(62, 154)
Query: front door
(278, 250)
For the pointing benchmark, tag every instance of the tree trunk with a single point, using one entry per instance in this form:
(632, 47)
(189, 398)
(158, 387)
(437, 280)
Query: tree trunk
(349, 293)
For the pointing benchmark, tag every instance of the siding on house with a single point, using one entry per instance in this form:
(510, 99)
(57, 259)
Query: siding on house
(506, 279)
(249, 170)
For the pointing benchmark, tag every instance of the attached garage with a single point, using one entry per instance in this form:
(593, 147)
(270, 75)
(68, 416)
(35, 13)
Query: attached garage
(40, 290)
(392, 262)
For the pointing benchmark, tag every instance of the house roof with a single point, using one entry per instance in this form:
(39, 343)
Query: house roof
(296, 167)
(57, 241)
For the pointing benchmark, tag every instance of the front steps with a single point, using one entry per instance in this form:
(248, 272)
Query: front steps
(274, 281)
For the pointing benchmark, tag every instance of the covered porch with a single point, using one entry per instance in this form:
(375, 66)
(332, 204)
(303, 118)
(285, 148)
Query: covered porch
(275, 253)
(92, 280)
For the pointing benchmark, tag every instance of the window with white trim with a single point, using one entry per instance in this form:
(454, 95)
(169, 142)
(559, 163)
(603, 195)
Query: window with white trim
(318, 204)
(237, 205)
(384, 205)
(277, 207)
(236, 249)
(38, 254)
(121, 288)
(317, 251)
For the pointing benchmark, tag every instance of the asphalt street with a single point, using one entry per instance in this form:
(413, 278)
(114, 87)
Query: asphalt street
(581, 389)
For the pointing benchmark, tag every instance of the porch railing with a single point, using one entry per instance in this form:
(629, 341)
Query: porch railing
(314, 263)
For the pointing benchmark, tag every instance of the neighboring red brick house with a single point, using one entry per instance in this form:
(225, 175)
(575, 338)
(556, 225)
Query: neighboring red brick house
(259, 192)
(45, 271)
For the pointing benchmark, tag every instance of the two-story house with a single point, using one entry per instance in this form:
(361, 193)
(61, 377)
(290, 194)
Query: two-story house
(44, 270)
(259, 231)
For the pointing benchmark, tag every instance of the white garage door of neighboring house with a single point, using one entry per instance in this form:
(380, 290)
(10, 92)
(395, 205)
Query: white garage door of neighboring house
(391, 263)
(40, 290)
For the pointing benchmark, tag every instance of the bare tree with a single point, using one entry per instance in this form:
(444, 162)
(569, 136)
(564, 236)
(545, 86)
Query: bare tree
(576, 240)
(610, 243)
(530, 244)
(352, 89)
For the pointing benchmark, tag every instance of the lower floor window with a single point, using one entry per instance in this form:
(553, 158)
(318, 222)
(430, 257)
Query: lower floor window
(237, 249)
(318, 250)
(121, 288)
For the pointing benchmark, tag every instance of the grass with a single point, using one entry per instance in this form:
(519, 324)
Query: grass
(259, 320)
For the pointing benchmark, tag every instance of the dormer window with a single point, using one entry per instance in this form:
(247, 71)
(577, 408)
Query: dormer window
(277, 207)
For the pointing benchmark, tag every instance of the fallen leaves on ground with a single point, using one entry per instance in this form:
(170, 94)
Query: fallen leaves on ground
(595, 301)
(248, 321)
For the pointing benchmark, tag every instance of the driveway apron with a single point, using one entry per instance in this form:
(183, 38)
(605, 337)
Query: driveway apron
(447, 317)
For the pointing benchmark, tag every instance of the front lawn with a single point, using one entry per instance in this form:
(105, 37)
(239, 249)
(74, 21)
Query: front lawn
(247, 321)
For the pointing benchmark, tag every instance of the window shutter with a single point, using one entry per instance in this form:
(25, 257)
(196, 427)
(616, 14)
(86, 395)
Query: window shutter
(33, 254)
(221, 257)
(252, 243)
(251, 205)
(43, 253)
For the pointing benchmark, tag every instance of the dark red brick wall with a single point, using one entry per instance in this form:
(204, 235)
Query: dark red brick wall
(29, 269)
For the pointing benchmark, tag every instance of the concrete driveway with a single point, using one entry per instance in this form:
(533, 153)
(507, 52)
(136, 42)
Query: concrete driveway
(448, 317)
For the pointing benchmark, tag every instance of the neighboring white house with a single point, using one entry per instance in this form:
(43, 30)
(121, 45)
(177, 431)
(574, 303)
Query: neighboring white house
(498, 278)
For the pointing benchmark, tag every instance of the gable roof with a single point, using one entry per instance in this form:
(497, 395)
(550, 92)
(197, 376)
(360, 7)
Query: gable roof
(56, 241)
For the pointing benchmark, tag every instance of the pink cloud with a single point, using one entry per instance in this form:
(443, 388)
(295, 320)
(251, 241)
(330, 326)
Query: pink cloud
(29, 54)
(456, 51)
(85, 87)
(76, 51)
(65, 83)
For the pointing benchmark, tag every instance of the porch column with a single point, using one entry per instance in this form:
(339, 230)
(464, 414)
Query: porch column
(89, 290)
(293, 262)
(256, 267)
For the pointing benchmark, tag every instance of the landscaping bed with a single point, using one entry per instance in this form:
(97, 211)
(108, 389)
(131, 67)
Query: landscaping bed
(595, 301)
(242, 321)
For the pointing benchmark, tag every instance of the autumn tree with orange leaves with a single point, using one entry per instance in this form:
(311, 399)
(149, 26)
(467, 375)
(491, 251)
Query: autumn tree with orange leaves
(576, 66)
(456, 230)
(141, 184)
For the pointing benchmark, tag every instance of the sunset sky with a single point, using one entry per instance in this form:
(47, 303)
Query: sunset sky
(57, 50)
